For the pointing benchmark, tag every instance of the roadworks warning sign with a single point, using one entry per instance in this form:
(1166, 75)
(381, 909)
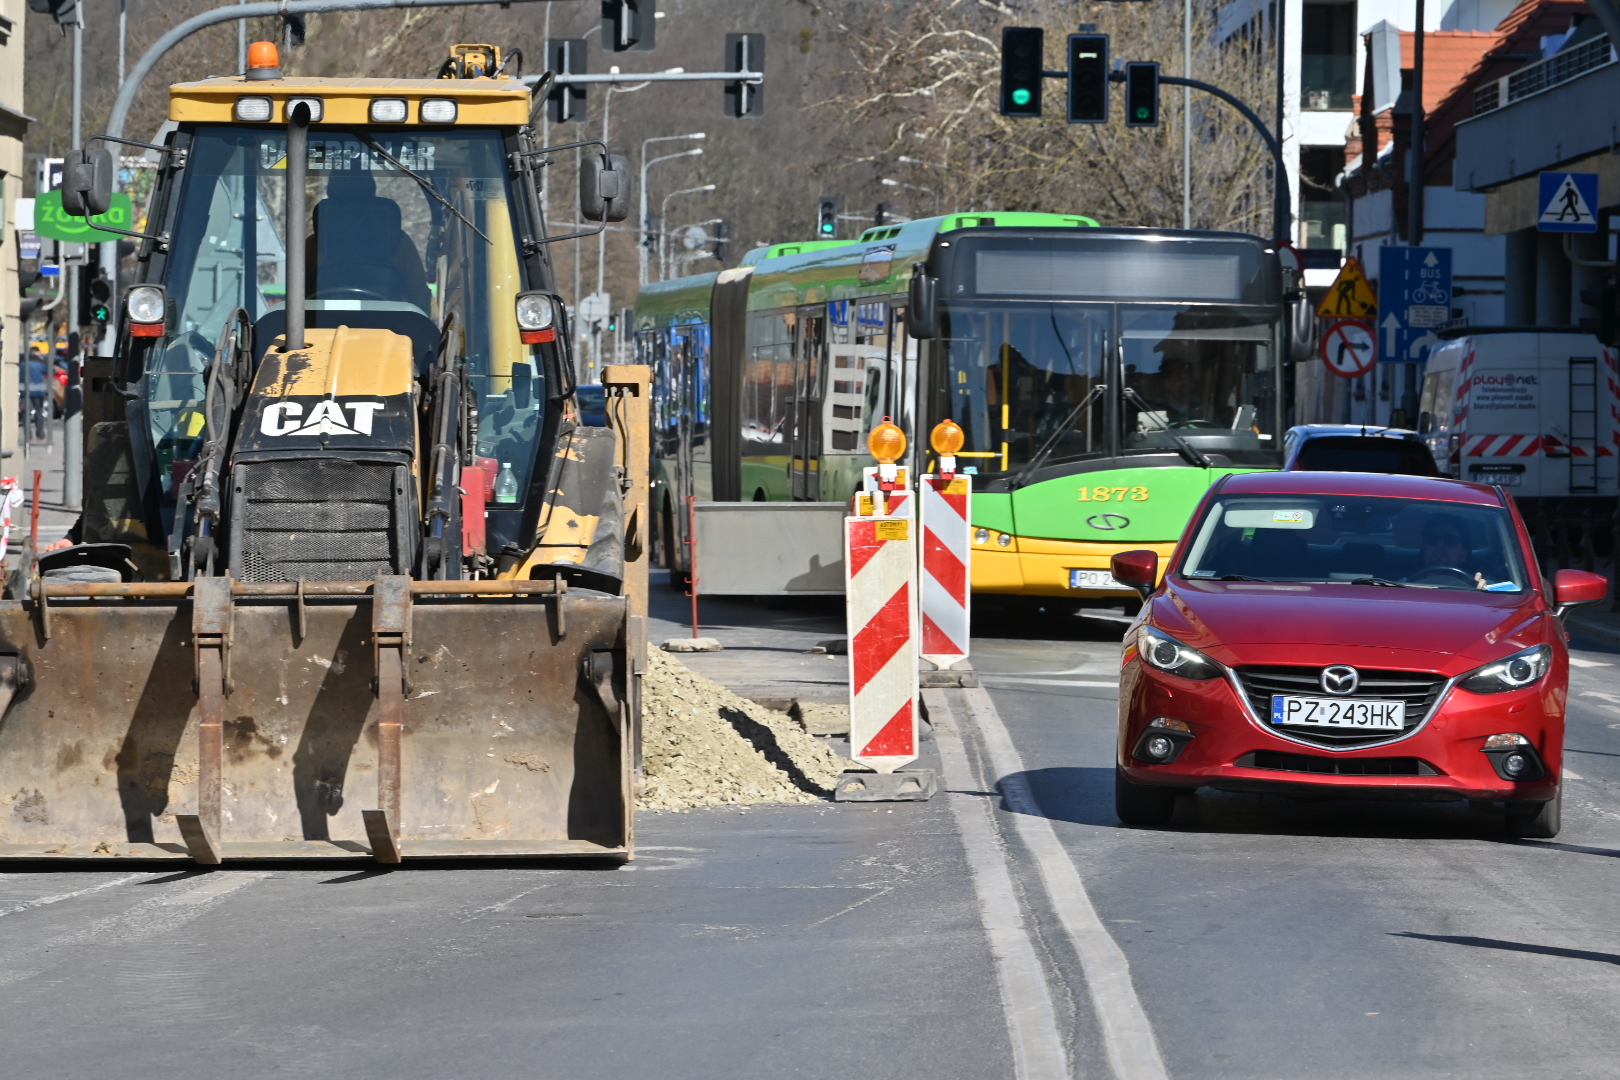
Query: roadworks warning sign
(1350, 296)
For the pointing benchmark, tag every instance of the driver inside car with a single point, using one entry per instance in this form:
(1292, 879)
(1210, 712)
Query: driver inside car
(1445, 544)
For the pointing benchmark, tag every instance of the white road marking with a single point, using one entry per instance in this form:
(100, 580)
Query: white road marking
(216, 886)
(1578, 662)
(59, 897)
(1571, 774)
(1026, 1003)
(1133, 1051)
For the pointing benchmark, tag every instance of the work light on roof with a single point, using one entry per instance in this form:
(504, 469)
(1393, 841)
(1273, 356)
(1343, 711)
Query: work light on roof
(389, 111)
(253, 110)
(438, 111)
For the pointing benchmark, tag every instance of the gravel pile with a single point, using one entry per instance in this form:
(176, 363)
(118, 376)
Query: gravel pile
(702, 745)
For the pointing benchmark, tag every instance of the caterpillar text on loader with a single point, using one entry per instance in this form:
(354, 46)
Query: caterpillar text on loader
(352, 580)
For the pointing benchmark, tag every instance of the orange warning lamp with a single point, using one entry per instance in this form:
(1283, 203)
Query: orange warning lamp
(264, 60)
(947, 437)
(887, 442)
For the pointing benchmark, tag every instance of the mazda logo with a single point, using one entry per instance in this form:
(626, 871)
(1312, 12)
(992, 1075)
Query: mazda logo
(1108, 522)
(1340, 679)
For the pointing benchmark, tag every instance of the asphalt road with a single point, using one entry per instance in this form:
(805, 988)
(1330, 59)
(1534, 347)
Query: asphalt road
(982, 934)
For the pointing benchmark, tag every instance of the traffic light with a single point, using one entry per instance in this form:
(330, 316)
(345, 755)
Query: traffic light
(95, 297)
(722, 240)
(649, 239)
(1088, 78)
(880, 215)
(628, 25)
(65, 11)
(566, 104)
(745, 52)
(1142, 95)
(1023, 52)
(827, 219)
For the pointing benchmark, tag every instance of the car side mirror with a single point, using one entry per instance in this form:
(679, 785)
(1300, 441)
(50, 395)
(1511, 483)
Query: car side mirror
(87, 182)
(922, 314)
(1138, 569)
(604, 187)
(1575, 588)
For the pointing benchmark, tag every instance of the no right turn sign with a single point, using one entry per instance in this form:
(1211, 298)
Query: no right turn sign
(1349, 348)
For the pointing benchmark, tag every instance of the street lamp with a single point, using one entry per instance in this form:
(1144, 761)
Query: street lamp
(644, 165)
(663, 215)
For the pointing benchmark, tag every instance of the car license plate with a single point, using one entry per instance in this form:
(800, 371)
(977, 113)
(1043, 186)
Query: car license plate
(1343, 713)
(1094, 579)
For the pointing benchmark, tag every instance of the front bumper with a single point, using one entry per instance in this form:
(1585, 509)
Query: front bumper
(1442, 760)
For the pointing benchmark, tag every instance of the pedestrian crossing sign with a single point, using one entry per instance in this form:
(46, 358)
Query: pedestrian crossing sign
(1349, 297)
(1568, 202)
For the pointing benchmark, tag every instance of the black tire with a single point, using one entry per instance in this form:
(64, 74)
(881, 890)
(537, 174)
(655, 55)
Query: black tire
(1140, 804)
(1535, 821)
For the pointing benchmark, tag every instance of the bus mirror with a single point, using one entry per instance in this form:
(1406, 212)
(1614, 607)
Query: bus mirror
(604, 187)
(1425, 423)
(87, 183)
(922, 320)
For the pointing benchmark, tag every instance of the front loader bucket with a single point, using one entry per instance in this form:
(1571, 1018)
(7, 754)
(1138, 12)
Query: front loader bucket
(396, 719)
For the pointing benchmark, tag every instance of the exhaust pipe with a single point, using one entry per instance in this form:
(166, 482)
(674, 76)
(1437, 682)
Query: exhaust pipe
(297, 178)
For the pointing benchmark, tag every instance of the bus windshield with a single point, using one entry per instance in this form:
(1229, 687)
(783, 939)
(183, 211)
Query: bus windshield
(382, 252)
(1203, 374)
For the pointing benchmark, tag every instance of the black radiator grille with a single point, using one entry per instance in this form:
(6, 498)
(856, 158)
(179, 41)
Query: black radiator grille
(319, 519)
(1326, 766)
(1418, 689)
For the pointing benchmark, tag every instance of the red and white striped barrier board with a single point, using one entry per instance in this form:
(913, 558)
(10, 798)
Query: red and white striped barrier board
(1526, 446)
(946, 579)
(880, 601)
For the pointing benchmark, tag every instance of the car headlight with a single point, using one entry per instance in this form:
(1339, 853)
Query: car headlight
(1164, 652)
(1522, 669)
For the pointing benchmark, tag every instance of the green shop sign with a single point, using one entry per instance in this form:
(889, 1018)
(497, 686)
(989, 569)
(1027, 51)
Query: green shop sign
(52, 221)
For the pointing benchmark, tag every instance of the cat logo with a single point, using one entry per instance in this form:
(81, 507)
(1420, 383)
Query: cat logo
(326, 418)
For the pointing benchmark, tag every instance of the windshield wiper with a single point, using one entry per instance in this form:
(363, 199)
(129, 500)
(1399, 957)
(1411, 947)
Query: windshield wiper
(1240, 577)
(1051, 442)
(1385, 582)
(427, 185)
(1197, 457)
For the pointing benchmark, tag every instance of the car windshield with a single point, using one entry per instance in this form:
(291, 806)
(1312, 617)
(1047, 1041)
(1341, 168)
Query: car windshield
(382, 252)
(1352, 453)
(1357, 540)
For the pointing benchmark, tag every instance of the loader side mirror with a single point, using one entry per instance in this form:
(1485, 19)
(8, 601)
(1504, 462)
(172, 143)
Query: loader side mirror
(1137, 569)
(922, 315)
(87, 182)
(604, 187)
(1576, 588)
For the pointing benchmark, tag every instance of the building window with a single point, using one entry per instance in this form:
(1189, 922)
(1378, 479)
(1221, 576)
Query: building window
(1321, 209)
(1327, 76)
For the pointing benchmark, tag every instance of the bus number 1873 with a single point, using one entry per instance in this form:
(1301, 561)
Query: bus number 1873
(1101, 493)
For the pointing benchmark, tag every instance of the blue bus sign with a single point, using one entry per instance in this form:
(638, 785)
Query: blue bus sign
(1414, 300)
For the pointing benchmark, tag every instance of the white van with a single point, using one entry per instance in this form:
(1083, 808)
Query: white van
(1538, 413)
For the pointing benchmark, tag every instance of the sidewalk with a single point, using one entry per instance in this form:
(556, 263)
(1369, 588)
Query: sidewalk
(1599, 626)
(54, 519)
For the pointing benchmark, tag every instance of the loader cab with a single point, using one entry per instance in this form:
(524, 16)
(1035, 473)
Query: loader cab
(416, 225)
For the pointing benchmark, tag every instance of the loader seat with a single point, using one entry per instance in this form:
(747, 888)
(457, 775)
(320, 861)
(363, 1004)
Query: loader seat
(359, 243)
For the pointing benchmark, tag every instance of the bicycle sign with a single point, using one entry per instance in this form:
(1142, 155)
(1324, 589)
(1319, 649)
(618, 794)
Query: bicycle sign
(1349, 348)
(1414, 300)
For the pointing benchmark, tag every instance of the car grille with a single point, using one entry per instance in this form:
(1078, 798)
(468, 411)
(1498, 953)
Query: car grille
(317, 519)
(1326, 766)
(1418, 689)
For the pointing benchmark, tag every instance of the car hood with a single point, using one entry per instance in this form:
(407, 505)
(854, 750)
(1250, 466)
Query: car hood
(1259, 622)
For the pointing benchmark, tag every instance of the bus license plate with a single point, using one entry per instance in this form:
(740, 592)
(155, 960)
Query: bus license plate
(1094, 579)
(1342, 713)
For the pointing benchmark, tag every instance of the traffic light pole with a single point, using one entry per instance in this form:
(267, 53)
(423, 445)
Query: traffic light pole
(1282, 211)
(73, 415)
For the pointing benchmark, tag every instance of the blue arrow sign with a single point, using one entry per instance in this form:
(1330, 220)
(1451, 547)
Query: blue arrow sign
(1414, 300)
(1568, 202)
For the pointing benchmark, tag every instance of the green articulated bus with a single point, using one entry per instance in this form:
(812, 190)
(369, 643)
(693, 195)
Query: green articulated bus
(1104, 377)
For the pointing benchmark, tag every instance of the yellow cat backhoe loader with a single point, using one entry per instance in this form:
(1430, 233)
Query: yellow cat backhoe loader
(352, 578)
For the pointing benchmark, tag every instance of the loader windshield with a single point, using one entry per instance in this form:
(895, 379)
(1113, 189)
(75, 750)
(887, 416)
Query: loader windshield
(381, 252)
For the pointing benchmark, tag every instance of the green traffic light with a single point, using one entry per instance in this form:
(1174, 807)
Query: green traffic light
(1142, 114)
(1020, 96)
(827, 226)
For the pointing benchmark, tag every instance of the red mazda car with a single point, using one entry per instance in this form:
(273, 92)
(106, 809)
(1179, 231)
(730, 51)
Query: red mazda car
(1348, 635)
